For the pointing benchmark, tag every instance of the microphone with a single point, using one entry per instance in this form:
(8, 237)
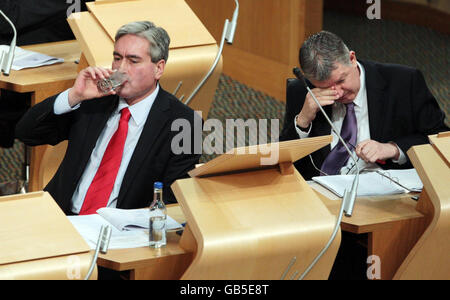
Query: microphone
(349, 197)
(348, 201)
(229, 29)
(102, 246)
(233, 24)
(6, 59)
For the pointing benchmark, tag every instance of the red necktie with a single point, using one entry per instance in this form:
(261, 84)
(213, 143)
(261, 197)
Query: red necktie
(102, 185)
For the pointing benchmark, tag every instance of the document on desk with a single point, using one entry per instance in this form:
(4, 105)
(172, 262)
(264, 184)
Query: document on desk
(133, 219)
(29, 59)
(89, 228)
(373, 183)
(129, 227)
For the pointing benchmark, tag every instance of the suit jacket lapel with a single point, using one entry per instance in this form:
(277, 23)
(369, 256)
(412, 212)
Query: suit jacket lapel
(156, 121)
(376, 99)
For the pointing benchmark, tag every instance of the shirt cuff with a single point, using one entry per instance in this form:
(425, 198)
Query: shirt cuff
(61, 105)
(402, 159)
(302, 134)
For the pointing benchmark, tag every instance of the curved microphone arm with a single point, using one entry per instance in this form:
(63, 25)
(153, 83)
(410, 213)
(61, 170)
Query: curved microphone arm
(6, 60)
(227, 35)
(348, 201)
(349, 197)
(102, 246)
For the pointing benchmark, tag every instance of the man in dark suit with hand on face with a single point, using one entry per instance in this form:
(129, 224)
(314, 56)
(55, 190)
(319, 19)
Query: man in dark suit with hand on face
(381, 110)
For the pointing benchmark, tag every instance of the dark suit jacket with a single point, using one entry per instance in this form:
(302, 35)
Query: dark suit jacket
(401, 109)
(152, 159)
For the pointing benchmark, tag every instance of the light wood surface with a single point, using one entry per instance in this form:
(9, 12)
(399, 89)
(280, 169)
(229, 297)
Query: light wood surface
(393, 224)
(258, 156)
(34, 227)
(68, 267)
(97, 46)
(268, 37)
(371, 213)
(430, 259)
(251, 223)
(50, 162)
(175, 16)
(33, 232)
(441, 143)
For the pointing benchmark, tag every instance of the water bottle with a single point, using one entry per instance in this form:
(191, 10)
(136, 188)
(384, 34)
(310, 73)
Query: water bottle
(158, 212)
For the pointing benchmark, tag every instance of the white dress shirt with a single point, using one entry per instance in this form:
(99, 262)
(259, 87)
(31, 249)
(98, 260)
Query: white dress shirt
(362, 119)
(139, 113)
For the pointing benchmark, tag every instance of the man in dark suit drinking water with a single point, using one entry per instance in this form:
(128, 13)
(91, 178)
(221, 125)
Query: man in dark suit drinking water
(119, 142)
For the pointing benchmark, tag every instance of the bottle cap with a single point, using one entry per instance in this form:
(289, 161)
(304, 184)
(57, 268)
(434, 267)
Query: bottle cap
(158, 185)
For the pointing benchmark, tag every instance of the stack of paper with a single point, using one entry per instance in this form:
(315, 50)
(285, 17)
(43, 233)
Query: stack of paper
(29, 59)
(129, 226)
(374, 184)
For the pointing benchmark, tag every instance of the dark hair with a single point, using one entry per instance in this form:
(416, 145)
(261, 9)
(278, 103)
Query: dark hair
(320, 53)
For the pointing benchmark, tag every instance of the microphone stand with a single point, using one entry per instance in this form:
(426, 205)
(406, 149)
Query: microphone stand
(349, 197)
(348, 200)
(102, 246)
(229, 29)
(7, 60)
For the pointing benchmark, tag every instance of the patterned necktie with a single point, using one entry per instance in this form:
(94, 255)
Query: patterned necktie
(102, 185)
(338, 157)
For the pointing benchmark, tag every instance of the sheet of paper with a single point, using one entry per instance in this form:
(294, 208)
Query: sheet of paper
(408, 178)
(133, 219)
(29, 59)
(373, 184)
(89, 228)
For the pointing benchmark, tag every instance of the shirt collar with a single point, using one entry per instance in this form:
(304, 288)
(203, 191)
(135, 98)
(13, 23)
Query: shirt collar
(140, 110)
(362, 88)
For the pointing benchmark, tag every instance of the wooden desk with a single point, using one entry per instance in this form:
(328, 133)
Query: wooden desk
(392, 223)
(165, 263)
(42, 83)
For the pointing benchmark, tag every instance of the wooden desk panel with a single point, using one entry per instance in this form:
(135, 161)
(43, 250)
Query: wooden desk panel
(371, 213)
(392, 222)
(268, 37)
(165, 263)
